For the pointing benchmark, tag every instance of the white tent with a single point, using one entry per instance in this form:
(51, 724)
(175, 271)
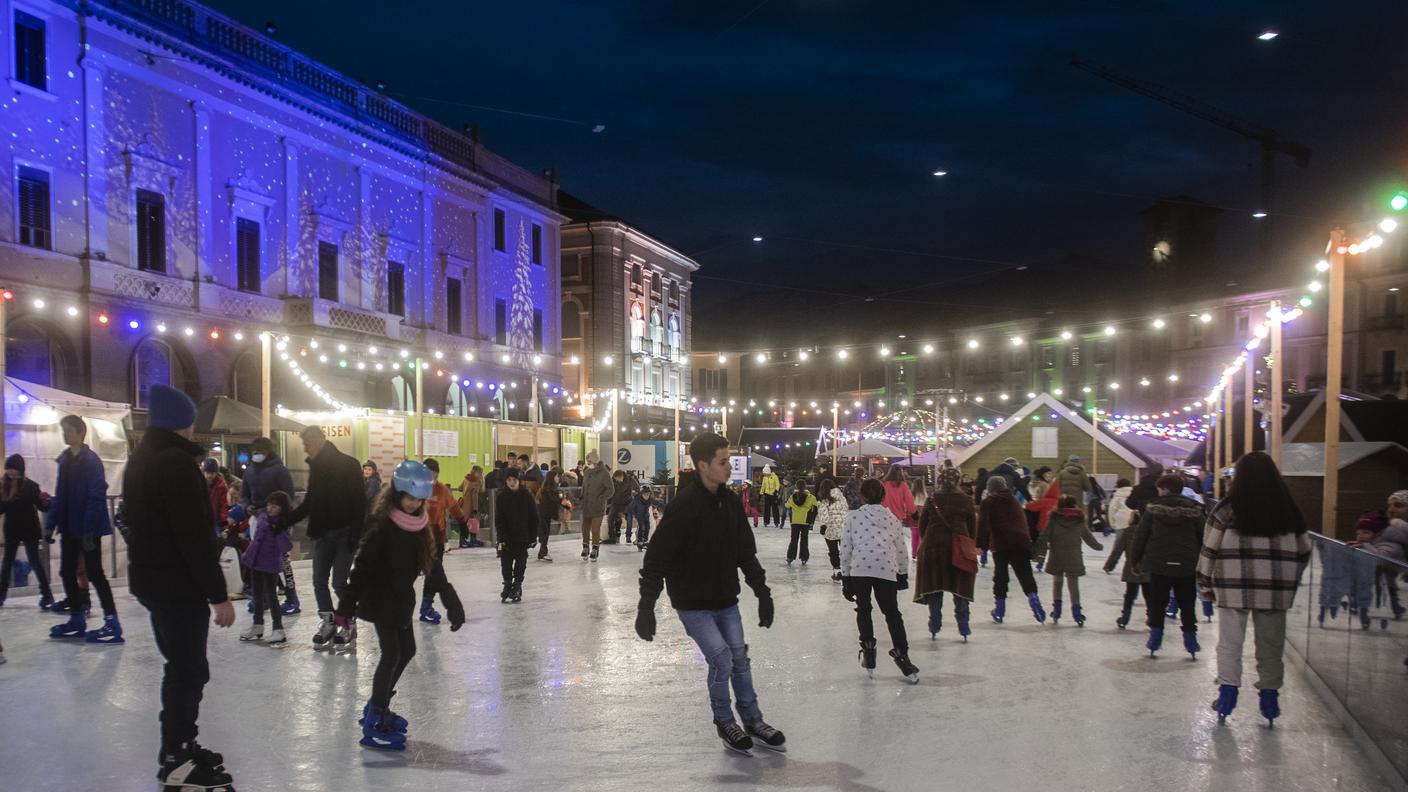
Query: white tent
(32, 415)
(868, 447)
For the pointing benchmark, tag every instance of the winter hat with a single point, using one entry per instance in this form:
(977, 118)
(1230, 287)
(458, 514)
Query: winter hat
(998, 484)
(1072, 458)
(593, 457)
(168, 408)
(1400, 497)
(510, 473)
(15, 462)
(949, 478)
(1372, 521)
(210, 465)
(767, 469)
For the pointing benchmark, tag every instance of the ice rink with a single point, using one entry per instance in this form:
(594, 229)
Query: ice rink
(557, 693)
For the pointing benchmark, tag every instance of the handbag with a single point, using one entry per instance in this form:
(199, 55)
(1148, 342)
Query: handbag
(965, 553)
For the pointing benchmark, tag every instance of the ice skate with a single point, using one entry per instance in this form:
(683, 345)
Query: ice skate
(907, 669)
(396, 722)
(1000, 611)
(766, 736)
(586, 552)
(867, 657)
(506, 593)
(1225, 702)
(1270, 706)
(936, 620)
(377, 732)
(596, 550)
(1037, 611)
(322, 639)
(194, 769)
(1123, 621)
(428, 614)
(1208, 608)
(254, 633)
(836, 576)
(961, 616)
(109, 633)
(345, 638)
(1156, 640)
(515, 594)
(291, 606)
(75, 627)
(276, 638)
(1077, 616)
(735, 739)
(1055, 611)
(1190, 644)
(46, 602)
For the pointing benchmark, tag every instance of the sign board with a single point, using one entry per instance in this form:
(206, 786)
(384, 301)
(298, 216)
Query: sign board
(441, 443)
(569, 456)
(638, 458)
(739, 469)
(386, 441)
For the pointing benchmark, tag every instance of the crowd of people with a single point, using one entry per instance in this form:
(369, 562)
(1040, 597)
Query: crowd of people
(373, 537)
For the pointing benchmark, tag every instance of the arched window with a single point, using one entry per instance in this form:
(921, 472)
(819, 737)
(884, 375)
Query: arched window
(153, 363)
(571, 319)
(403, 396)
(30, 356)
(457, 402)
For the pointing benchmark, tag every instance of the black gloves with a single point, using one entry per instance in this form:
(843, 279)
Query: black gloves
(765, 611)
(645, 620)
(846, 590)
(901, 582)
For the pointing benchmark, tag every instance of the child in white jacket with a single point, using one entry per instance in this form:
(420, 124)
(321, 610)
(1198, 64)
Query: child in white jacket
(831, 512)
(875, 560)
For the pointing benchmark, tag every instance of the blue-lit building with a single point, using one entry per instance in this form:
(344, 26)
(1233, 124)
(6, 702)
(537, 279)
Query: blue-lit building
(176, 183)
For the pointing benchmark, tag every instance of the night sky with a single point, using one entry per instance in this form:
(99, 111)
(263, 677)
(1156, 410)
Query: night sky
(817, 124)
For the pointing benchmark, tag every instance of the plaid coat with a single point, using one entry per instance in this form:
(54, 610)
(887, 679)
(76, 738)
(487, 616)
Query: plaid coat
(1250, 572)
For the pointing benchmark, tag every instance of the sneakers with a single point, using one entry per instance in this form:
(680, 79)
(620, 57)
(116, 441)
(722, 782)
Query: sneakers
(75, 627)
(735, 739)
(254, 633)
(322, 639)
(194, 768)
(907, 669)
(770, 738)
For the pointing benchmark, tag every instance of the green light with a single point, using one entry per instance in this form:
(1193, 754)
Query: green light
(342, 364)
(1398, 202)
(1305, 302)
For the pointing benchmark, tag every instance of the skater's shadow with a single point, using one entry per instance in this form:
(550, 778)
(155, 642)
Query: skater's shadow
(424, 755)
(773, 770)
(1151, 665)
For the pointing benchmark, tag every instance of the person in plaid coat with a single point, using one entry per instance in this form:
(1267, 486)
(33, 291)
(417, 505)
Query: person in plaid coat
(1255, 549)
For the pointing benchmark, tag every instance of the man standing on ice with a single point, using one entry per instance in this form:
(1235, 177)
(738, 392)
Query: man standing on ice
(695, 554)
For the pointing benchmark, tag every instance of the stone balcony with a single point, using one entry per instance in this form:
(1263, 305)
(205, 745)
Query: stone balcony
(310, 312)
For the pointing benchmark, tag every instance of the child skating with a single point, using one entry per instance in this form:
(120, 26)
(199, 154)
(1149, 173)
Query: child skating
(1166, 546)
(875, 561)
(515, 526)
(1060, 545)
(265, 559)
(831, 512)
(1132, 578)
(396, 548)
(801, 510)
(700, 545)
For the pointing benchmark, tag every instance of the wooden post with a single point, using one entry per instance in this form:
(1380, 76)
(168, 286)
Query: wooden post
(1210, 430)
(676, 463)
(835, 437)
(1274, 377)
(1248, 415)
(615, 426)
(1334, 362)
(1095, 440)
(266, 376)
(1226, 432)
(420, 412)
(533, 408)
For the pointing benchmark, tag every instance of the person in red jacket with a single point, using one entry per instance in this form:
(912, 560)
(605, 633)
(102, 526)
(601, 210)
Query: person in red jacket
(219, 491)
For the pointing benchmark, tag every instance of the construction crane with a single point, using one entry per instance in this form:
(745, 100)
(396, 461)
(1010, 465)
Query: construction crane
(1271, 142)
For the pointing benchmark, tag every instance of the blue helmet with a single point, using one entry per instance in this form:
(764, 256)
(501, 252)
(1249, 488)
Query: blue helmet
(413, 478)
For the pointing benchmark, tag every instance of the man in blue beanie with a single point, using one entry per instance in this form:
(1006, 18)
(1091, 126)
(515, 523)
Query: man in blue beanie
(175, 574)
(79, 514)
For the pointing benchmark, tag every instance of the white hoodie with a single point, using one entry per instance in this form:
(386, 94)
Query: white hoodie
(874, 544)
(1118, 511)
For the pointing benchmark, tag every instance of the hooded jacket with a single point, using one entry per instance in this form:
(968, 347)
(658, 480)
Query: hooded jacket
(697, 551)
(802, 512)
(831, 516)
(1002, 526)
(1169, 537)
(335, 497)
(80, 504)
(596, 491)
(1060, 542)
(875, 544)
(1122, 543)
(1074, 480)
(1119, 510)
(515, 516)
(173, 553)
(770, 485)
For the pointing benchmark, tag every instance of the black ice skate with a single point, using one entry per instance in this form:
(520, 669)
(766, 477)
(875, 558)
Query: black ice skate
(735, 739)
(194, 769)
(867, 657)
(506, 593)
(907, 668)
(516, 592)
(767, 736)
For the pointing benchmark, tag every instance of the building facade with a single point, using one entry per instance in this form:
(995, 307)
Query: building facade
(176, 183)
(625, 318)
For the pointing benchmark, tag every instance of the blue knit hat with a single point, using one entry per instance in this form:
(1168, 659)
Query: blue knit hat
(168, 408)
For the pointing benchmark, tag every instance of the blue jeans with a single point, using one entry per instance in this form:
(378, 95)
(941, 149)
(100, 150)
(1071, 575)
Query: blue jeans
(719, 634)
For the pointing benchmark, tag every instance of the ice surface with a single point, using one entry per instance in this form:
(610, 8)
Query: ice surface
(557, 693)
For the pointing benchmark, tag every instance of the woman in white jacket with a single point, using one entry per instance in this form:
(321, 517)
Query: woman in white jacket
(831, 511)
(1119, 510)
(875, 560)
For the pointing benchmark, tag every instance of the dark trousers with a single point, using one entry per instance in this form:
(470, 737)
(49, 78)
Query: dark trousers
(72, 549)
(31, 551)
(772, 513)
(1185, 592)
(1131, 591)
(887, 597)
(799, 535)
(544, 527)
(1020, 564)
(332, 557)
(398, 646)
(266, 595)
(180, 628)
(514, 561)
(833, 549)
(431, 587)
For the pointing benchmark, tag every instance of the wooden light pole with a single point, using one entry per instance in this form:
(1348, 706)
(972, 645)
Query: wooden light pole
(266, 376)
(1095, 439)
(420, 412)
(1273, 420)
(676, 463)
(835, 436)
(1334, 363)
(1248, 385)
(1226, 445)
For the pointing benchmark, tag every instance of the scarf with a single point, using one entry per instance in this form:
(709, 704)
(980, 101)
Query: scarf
(410, 522)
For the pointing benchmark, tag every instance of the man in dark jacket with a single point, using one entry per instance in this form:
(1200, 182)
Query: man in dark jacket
(336, 507)
(703, 540)
(174, 570)
(1146, 490)
(266, 475)
(1166, 547)
(79, 513)
(1010, 470)
(515, 526)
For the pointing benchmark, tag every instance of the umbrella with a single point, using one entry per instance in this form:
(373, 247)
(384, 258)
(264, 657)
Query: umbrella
(869, 447)
(225, 416)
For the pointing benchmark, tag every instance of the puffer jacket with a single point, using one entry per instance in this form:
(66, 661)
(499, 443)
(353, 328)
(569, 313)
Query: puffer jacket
(770, 484)
(875, 544)
(1001, 525)
(802, 512)
(831, 516)
(1074, 480)
(1119, 510)
(1060, 542)
(1169, 537)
